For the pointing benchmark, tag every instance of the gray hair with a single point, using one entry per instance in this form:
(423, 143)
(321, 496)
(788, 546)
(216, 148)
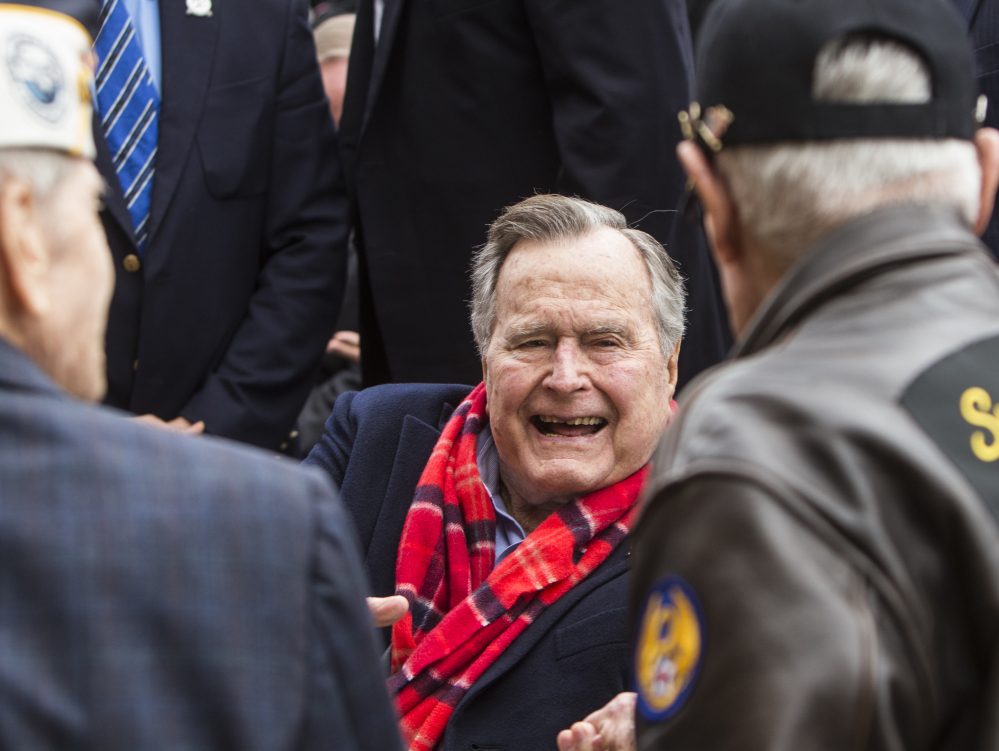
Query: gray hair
(788, 195)
(41, 169)
(554, 218)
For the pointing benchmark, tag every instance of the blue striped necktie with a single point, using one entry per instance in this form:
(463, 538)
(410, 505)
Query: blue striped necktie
(128, 104)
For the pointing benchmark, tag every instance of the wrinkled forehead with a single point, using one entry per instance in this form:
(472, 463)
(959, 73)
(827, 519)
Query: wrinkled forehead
(599, 275)
(602, 258)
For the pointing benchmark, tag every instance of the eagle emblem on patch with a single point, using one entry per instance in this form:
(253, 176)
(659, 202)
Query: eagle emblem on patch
(669, 649)
(37, 77)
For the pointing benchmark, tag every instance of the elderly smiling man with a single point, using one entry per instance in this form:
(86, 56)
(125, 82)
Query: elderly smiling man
(503, 521)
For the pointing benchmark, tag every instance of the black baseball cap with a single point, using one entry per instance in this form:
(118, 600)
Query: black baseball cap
(755, 63)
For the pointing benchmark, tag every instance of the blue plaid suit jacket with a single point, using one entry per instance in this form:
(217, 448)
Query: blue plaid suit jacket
(164, 592)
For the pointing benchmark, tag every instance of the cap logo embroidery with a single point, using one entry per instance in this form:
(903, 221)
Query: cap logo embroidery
(670, 644)
(37, 77)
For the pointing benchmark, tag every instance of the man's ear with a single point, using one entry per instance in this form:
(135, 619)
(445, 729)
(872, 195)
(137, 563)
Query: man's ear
(672, 363)
(24, 257)
(987, 146)
(720, 216)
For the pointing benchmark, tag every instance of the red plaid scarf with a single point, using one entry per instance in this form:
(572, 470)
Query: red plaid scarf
(463, 613)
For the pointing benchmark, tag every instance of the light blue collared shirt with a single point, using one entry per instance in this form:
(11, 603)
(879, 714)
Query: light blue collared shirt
(146, 20)
(509, 533)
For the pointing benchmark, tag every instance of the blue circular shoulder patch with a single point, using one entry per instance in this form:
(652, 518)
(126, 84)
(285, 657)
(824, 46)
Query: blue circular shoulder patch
(669, 648)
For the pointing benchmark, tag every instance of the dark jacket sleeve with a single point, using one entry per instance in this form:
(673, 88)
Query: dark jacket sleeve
(617, 73)
(349, 707)
(796, 650)
(332, 452)
(261, 383)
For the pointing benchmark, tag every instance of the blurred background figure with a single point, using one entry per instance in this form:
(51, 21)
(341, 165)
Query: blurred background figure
(333, 28)
(983, 22)
(156, 591)
(455, 110)
(226, 214)
(340, 369)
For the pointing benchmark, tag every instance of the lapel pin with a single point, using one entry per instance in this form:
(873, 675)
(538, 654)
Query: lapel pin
(201, 8)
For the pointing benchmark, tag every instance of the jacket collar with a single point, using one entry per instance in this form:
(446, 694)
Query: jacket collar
(858, 250)
(19, 373)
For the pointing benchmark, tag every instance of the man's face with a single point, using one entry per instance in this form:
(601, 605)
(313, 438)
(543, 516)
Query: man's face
(80, 281)
(578, 389)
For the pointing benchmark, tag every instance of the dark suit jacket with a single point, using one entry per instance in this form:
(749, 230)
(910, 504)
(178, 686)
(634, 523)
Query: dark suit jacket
(241, 281)
(164, 592)
(983, 20)
(571, 661)
(467, 106)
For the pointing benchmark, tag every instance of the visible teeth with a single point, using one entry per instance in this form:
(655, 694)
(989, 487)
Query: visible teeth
(572, 420)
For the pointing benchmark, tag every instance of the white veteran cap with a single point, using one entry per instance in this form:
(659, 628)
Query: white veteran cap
(45, 79)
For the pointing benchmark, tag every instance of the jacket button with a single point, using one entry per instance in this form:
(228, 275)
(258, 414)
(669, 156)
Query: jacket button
(132, 263)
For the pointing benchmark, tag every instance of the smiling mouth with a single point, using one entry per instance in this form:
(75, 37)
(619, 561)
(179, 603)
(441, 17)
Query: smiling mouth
(568, 427)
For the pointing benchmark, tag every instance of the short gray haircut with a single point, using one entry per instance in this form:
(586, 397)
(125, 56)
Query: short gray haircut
(790, 194)
(41, 169)
(555, 218)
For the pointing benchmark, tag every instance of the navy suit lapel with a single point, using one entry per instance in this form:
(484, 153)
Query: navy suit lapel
(617, 564)
(416, 442)
(383, 51)
(188, 50)
(114, 201)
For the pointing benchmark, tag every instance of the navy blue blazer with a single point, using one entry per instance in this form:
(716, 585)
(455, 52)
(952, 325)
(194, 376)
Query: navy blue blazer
(238, 291)
(571, 661)
(159, 591)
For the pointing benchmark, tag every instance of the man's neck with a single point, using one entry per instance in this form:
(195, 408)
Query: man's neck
(528, 515)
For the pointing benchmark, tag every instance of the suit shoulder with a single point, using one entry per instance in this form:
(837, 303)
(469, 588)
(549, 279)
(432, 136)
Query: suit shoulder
(203, 465)
(422, 400)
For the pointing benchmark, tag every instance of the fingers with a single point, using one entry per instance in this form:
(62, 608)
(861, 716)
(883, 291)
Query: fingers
(610, 728)
(386, 611)
(177, 424)
(150, 420)
(351, 338)
(582, 736)
(181, 425)
(347, 344)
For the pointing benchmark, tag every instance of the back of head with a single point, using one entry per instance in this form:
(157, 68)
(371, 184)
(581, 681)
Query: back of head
(56, 278)
(856, 105)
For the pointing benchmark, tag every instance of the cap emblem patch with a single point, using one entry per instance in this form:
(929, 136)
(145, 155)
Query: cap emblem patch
(37, 77)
